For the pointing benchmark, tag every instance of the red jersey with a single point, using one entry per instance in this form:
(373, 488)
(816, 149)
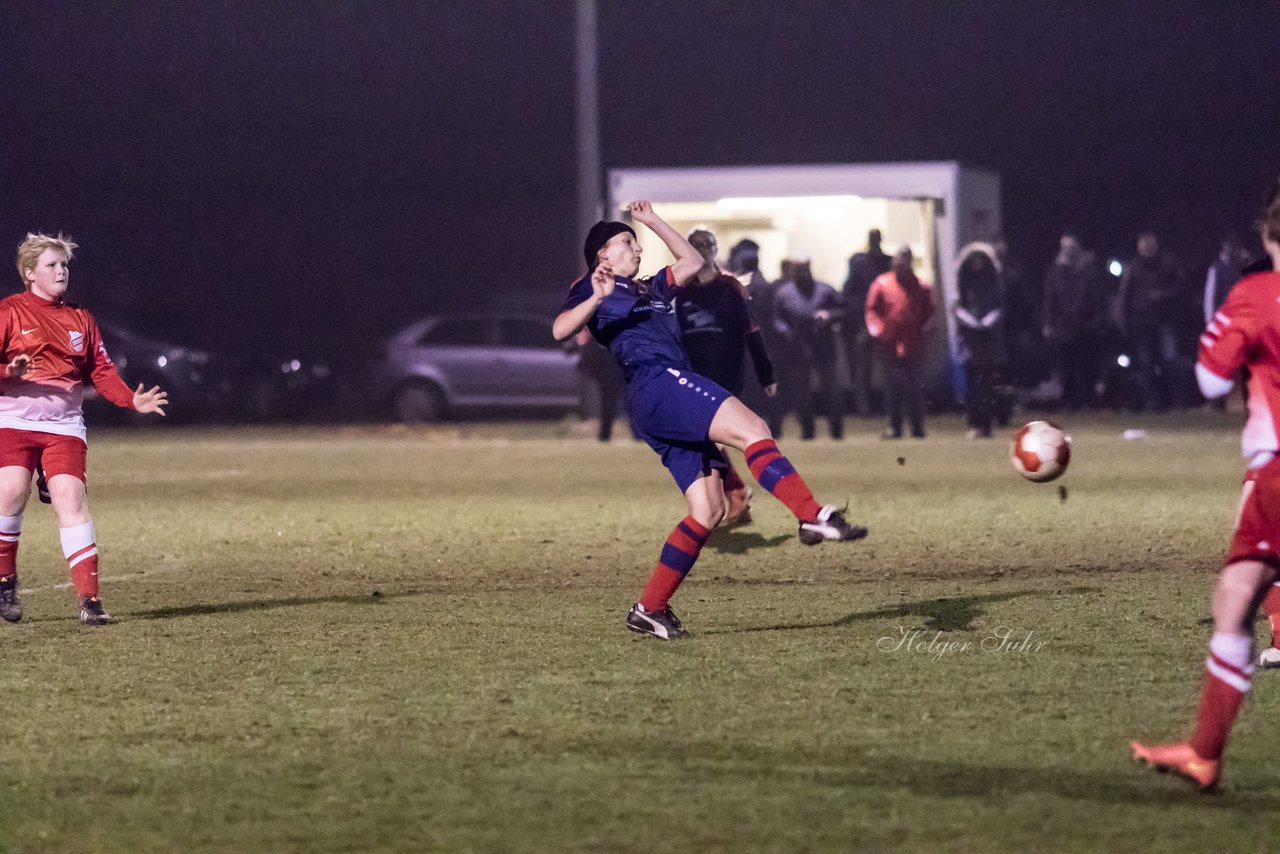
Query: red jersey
(896, 317)
(1245, 332)
(66, 351)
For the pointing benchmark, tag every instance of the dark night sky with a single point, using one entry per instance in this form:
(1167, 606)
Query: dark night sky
(299, 173)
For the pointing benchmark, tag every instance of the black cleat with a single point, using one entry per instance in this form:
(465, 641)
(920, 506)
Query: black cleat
(42, 487)
(661, 624)
(92, 613)
(830, 525)
(10, 607)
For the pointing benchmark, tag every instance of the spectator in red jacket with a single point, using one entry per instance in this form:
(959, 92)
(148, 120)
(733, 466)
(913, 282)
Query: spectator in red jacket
(899, 309)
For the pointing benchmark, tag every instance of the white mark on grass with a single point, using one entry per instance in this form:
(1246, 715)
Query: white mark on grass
(106, 579)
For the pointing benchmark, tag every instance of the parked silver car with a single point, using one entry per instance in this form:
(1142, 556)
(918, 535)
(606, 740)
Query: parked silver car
(444, 365)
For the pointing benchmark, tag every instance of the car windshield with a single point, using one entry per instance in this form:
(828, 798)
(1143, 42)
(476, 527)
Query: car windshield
(458, 332)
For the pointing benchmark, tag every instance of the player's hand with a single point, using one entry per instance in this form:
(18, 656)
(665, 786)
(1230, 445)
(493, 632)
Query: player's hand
(154, 400)
(771, 390)
(822, 316)
(18, 366)
(602, 281)
(642, 211)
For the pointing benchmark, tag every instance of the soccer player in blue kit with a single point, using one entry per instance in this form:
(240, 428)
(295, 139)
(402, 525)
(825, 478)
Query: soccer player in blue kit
(681, 414)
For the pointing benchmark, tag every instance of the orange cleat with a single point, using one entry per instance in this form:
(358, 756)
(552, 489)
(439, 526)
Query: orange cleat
(1181, 760)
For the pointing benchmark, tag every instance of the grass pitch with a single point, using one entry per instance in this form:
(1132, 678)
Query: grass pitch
(377, 640)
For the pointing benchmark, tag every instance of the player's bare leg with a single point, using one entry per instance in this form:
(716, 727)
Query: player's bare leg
(1229, 667)
(738, 427)
(737, 496)
(15, 486)
(79, 544)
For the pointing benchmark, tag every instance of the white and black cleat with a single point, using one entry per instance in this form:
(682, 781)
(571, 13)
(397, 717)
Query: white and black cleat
(92, 613)
(830, 525)
(662, 624)
(1269, 657)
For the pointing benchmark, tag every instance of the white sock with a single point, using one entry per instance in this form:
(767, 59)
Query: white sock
(76, 538)
(1235, 650)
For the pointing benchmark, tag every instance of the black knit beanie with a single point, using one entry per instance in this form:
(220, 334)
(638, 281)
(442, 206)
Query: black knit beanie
(600, 234)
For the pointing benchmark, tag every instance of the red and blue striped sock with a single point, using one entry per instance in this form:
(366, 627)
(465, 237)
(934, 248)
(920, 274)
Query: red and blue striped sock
(678, 557)
(775, 473)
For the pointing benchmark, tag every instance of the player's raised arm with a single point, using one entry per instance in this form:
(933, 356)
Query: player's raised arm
(569, 322)
(688, 260)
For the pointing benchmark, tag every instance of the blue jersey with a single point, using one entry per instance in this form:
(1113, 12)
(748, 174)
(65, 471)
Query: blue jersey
(637, 322)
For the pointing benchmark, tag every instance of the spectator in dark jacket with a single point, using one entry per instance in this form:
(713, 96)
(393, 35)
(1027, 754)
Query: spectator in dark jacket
(979, 334)
(718, 325)
(1022, 309)
(805, 313)
(1224, 272)
(1153, 313)
(1073, 320)
(744, 264)
(864, 268)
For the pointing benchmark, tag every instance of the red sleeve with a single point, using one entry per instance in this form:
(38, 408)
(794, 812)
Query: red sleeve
(102, 372)
(1226, 342)
(875, 323)
(5, 317)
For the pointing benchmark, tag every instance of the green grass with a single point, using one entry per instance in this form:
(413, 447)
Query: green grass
(384, 640)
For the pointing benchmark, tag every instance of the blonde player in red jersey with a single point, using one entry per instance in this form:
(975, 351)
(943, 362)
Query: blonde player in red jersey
(1244, 333)
(49, 349)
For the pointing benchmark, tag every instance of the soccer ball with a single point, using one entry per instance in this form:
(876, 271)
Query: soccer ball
(1040, 451)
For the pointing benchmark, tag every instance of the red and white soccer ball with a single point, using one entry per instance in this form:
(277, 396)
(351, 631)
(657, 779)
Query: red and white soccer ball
(1040, 451)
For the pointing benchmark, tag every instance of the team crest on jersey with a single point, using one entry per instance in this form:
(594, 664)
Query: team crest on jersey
(77, 341)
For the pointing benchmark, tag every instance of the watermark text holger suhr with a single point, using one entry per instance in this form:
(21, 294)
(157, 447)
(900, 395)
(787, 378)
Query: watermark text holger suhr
(1000, 640)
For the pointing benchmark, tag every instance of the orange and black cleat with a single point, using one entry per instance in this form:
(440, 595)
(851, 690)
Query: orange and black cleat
(1182, 760)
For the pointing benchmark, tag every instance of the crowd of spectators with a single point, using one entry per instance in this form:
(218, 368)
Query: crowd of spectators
(1120, 334)
(1117, 333)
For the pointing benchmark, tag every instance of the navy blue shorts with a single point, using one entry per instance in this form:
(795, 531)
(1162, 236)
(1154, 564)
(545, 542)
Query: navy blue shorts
(673, 410)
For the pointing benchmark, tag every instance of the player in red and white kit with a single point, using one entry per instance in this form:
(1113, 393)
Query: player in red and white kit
(1244, 333)
(49, 349)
